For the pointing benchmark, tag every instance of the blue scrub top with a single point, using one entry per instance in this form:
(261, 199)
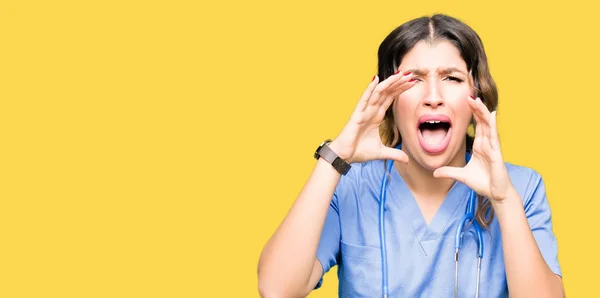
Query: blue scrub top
(420, 256)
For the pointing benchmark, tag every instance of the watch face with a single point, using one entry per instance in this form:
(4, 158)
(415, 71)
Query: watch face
(319, 149)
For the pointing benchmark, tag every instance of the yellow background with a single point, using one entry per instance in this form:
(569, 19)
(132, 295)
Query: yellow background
(150, 148)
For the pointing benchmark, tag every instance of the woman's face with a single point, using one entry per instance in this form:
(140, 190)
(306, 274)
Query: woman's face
(433, 116)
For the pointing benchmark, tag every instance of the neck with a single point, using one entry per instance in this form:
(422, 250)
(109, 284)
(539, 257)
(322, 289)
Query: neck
(421, 182)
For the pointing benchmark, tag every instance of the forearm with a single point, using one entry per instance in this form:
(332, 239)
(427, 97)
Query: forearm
(288, 257)
(527, 273)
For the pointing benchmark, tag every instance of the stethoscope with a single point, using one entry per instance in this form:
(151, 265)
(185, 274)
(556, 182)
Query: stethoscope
(468, 217)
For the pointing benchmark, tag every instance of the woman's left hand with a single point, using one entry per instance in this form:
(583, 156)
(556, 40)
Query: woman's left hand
(485, 173)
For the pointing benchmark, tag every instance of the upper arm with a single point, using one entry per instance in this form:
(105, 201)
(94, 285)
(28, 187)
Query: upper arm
(328, 251)
(562, 285)
(315, 276)
(329, 246)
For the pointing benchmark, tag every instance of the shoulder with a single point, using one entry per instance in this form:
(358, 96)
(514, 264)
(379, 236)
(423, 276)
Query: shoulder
(361, 176)
(366, 172)
(527, 181)
(365, 169)
(522, 174)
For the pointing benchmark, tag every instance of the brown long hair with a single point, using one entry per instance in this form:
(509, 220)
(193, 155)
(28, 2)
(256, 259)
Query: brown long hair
(434, 29)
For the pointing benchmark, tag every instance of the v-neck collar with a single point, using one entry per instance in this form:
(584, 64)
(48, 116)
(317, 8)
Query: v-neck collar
(409, 209)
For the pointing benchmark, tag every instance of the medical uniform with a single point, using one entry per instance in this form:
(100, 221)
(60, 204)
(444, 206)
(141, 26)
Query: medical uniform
(420, 256)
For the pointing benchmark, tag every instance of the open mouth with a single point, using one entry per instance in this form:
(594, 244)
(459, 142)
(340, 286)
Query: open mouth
(434, 132)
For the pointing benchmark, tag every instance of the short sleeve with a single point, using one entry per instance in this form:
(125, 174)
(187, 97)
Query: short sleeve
(539, 217)
(329, 245)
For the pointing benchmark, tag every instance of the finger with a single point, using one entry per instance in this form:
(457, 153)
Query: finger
(402, 88)
(494, 139)
(471, 102)
(482, 124)
(456, 173)
(487, 131)
(393, 154)
(383, 88)
(482, 111)
(405, 77)
(392, 96)
(377, 97)
(483, 130)
(485, 116)
(362, 103)
(387, 102)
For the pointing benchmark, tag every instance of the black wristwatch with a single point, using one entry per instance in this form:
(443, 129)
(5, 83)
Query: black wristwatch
(331, 157)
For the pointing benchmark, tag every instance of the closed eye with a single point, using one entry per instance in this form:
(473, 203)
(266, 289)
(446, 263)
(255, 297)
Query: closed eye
(451, 78)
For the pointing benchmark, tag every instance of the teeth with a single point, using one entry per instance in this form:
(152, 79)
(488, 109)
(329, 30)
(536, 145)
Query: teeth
(433, 121)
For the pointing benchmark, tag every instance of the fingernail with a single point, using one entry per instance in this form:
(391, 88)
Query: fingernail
(373, 79)
(411, 80)
(472, 96)
(397, 72)
(407, 73)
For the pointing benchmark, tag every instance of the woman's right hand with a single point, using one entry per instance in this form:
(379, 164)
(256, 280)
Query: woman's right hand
(359, 140)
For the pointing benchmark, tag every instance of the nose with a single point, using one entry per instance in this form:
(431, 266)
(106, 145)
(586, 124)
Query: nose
(433, 98)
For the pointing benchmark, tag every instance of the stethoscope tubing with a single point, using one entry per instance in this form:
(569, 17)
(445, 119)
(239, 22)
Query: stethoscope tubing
(467, 218)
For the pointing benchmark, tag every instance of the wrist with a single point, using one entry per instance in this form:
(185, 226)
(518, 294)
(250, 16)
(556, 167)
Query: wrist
(327, 153)
(510, 198)
(341, 151)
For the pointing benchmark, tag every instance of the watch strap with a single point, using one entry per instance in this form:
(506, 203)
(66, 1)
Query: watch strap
(331, 157)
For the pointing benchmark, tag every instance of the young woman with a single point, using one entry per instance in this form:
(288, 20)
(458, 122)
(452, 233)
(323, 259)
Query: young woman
(389, 195)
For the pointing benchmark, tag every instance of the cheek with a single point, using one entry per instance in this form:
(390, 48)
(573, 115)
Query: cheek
(404, 108)
(462, 113)
(456, 92)
(414, 93)
(403, 103)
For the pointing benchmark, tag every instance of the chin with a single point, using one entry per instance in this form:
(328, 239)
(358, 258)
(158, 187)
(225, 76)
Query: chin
(433, 162)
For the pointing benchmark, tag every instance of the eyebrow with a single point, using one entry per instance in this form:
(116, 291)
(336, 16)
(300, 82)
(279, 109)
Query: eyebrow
(442, 70)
